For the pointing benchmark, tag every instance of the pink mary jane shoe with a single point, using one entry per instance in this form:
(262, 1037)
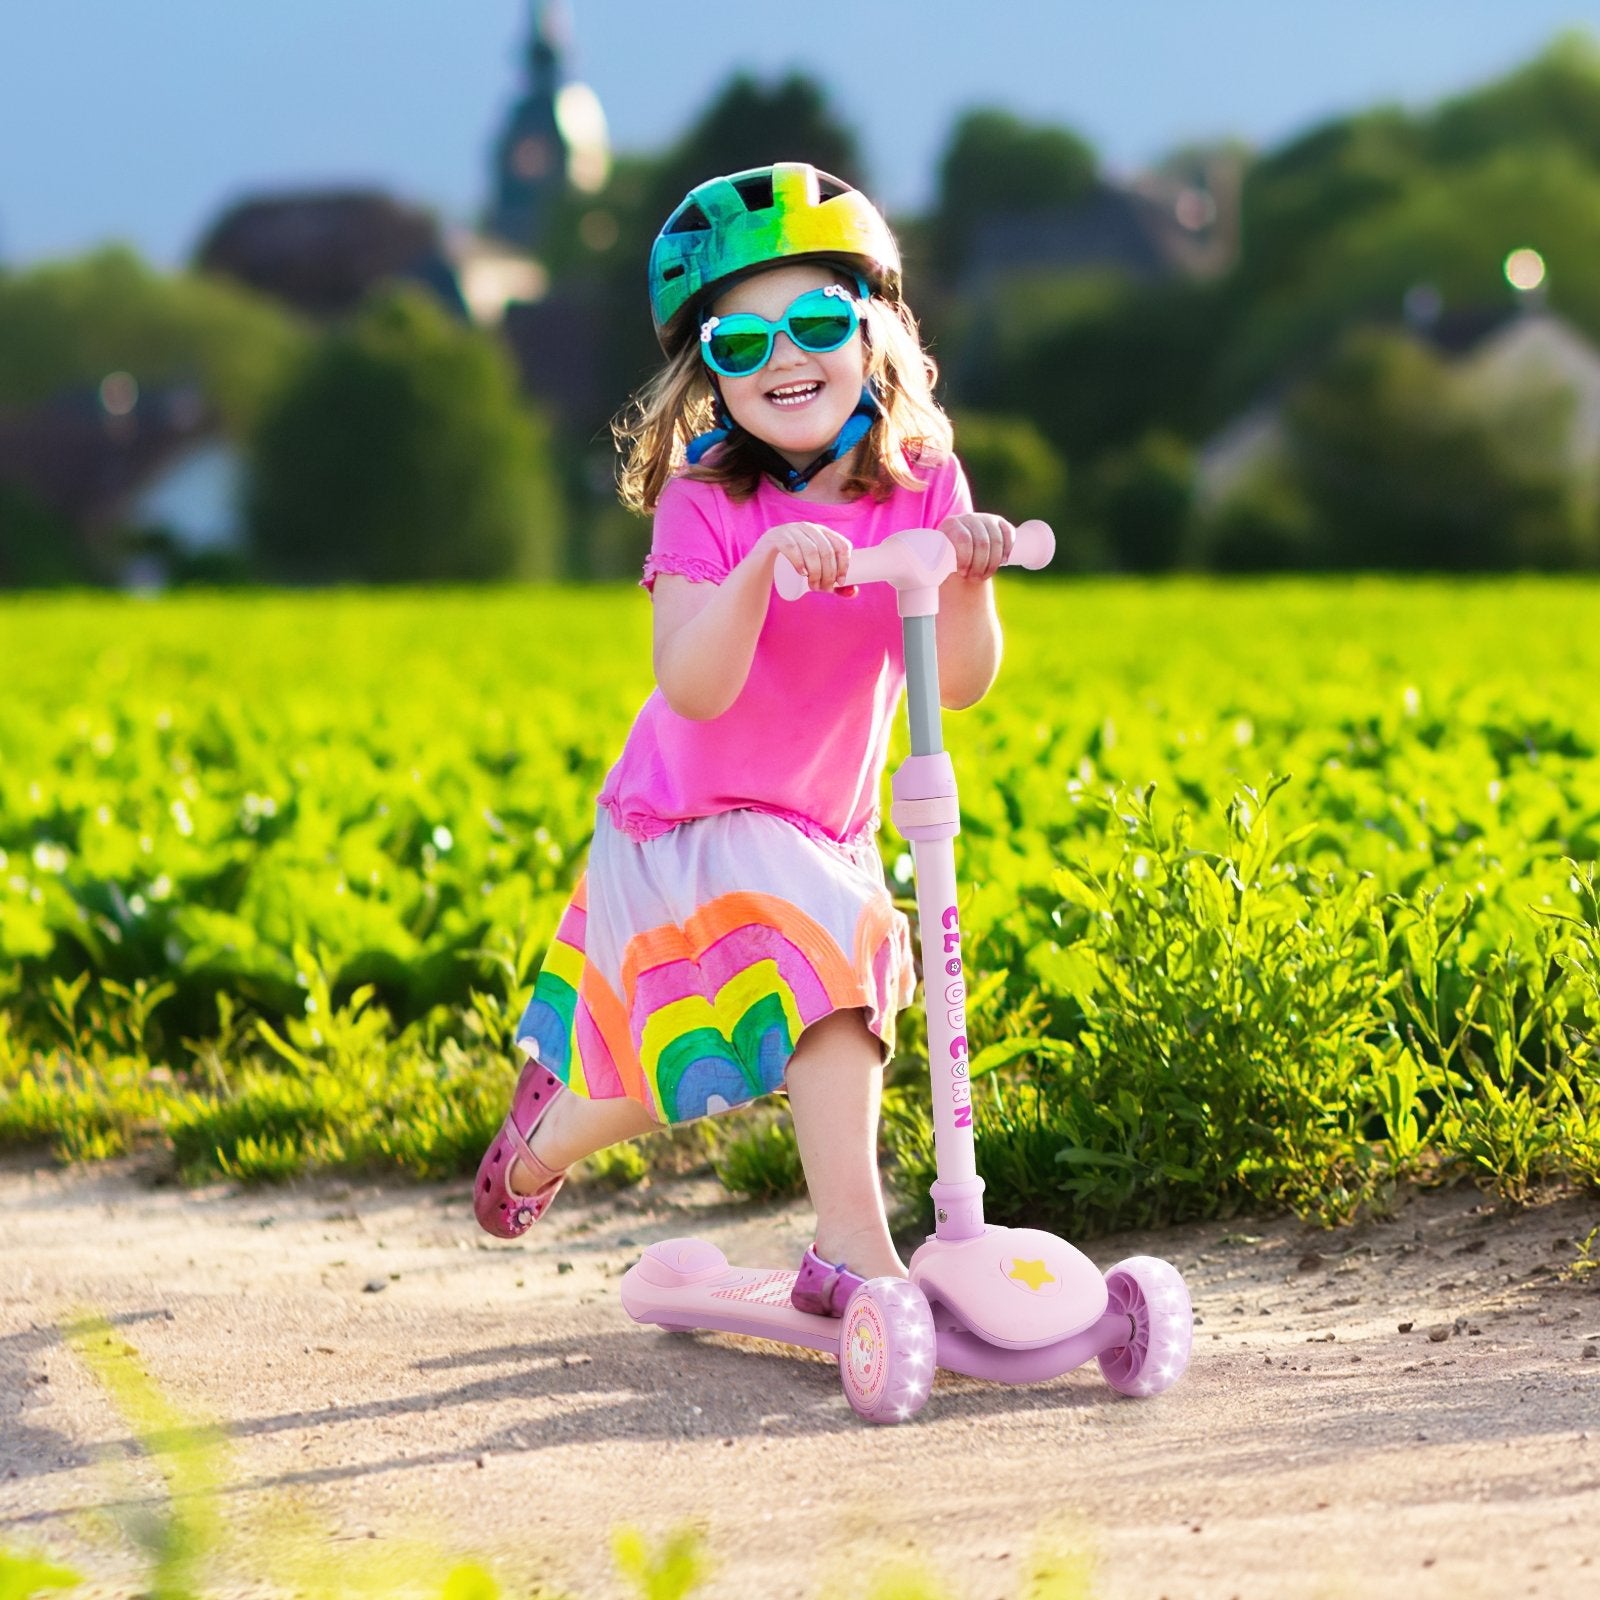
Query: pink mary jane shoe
(822, 1288)
(499, 1209)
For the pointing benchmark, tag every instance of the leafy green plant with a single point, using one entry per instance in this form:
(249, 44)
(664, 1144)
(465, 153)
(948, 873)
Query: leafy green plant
(668, 1573)
(618, 1167)
(23, 1576)
(759, 1158)
(290, 919)
(1587, 1259)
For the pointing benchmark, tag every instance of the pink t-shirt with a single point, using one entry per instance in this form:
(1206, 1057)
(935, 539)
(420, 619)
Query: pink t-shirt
(808, 736)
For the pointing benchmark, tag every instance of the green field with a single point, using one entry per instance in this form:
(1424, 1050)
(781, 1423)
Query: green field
(275, 872)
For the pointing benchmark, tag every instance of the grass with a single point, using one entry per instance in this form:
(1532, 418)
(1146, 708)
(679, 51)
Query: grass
(276, 872)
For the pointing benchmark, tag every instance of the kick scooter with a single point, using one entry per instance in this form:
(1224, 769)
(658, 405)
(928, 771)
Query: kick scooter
(1013, 1304)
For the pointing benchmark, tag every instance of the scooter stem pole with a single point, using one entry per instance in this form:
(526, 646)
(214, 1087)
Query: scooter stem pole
(917, 561)
(926, 812)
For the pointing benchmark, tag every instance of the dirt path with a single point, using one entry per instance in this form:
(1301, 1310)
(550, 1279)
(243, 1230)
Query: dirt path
(382, 1367)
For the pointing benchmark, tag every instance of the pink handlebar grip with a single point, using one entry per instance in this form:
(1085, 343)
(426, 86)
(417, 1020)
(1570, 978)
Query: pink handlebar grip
(1035, 545)
(919, 558)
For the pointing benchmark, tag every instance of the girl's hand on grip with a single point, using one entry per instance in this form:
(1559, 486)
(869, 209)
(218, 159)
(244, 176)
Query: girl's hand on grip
(819, 553)
(982, 542)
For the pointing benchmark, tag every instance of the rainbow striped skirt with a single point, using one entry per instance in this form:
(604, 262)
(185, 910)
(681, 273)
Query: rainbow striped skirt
(686, 967)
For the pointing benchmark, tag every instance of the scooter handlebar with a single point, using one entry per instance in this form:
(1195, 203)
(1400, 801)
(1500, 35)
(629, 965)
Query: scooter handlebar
(919, 558)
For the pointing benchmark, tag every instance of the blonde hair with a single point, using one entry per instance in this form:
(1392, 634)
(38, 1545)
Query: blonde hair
(679, 403)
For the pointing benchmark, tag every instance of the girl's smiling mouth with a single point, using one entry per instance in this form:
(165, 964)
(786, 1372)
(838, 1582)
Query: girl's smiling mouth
(794, 394)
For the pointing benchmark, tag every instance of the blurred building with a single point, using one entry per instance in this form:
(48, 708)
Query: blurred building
(324, 251)
(109, 459)
(554, 145)
(1178, 221)
(1496, 352)
(554, 141)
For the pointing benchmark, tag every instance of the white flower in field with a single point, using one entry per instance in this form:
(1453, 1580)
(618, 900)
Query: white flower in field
(180, 815)
(443, 837)
(48, 857)
(1412, 700)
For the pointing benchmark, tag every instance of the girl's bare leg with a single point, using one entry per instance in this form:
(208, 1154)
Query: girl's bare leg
(573, 1128)
(835, 1083)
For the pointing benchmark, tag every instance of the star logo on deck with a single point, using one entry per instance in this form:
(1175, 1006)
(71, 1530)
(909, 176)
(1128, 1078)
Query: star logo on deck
(1034, 1274)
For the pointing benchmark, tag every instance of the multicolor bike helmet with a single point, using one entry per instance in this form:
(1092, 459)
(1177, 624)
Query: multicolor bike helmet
(786, 212)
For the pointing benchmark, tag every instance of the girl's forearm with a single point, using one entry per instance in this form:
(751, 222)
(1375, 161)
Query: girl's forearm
(968, 633)
(703, 666)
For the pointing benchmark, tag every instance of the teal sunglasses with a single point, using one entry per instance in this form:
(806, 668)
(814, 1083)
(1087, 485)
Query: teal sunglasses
(820, 320)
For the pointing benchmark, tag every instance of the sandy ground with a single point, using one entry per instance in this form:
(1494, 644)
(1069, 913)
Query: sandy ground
(387, 1373)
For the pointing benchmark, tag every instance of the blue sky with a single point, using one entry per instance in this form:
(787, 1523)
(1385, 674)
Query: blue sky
(140, 119)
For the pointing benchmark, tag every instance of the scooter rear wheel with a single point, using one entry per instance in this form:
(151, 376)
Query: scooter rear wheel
(886, 1350)
(1152, 1293)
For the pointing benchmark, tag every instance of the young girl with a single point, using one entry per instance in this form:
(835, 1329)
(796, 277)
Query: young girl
(733, 933)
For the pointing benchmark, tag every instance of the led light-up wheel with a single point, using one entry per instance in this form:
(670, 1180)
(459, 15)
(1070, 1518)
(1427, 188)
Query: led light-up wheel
(886, 1350)
(1151, 1293)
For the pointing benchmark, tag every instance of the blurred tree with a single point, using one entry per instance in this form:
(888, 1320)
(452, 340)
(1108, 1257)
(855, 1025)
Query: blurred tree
(1345, 221)
(1298, 196)
(997, 163)
(1265, 525)
(1013, 470)
(1553, 100)
(39, 548)
(400, 452)
(1094, 362)
(1452, 234)
(67, 324)
(1404, 469)
(1141, 498)
(751, 124)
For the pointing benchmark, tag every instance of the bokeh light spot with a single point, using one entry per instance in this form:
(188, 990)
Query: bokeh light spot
(1524, 270)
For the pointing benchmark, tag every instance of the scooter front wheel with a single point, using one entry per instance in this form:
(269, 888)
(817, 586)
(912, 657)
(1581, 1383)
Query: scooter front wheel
(1151, 1293)
(886, 1350)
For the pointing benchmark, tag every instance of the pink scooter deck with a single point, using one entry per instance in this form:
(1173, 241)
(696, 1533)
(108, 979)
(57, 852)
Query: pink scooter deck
(687, 1284)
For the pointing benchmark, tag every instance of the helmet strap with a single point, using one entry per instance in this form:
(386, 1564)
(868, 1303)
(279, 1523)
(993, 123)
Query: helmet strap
(855, 429)
(721, 428)
(788, 476)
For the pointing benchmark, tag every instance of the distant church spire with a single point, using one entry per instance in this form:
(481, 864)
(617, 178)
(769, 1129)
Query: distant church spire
(555, 136)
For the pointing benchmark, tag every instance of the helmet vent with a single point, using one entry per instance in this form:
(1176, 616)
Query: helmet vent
(756, 192)
(673, 272)
(693, 220)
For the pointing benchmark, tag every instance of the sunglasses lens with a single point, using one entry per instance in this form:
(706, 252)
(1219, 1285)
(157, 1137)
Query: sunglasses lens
(820, 322)
(736, 350)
